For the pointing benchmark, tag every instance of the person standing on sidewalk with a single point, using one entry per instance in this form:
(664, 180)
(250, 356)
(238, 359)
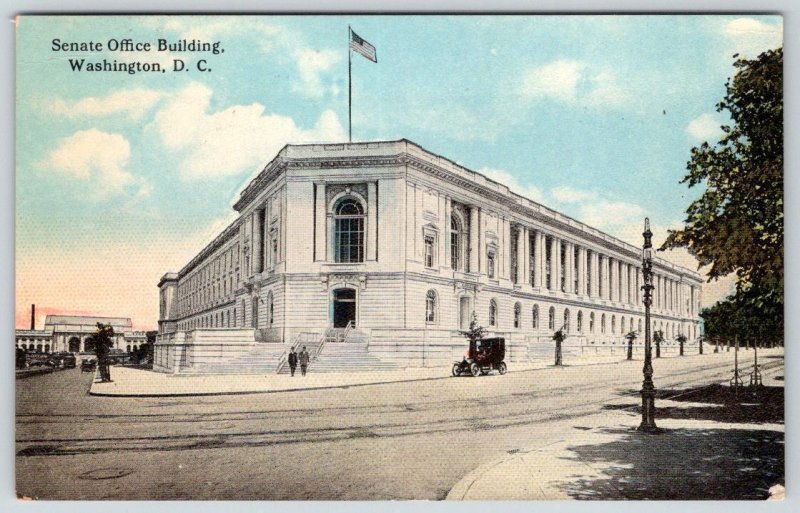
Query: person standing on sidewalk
(304, 359)
(292, 361)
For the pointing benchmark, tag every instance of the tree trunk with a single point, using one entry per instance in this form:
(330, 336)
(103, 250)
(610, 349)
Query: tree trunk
(558, 352)
(630, 349)
(658, 349)
(681, 347)
(700, 342)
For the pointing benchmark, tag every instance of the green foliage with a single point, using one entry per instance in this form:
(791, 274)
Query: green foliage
(103, 341)
(739, 315)
(736, 226)
(476, 331)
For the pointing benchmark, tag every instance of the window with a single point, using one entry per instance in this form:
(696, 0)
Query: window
(430, 242)
(580, 322)
(551, 320)
(588, 272)
(490, 264)
(591, 322)
(492, 313)
(613, 324)
(566, 320)
(532, 259)
(640, 325)
(517, 315)
(430, 306)
(600, 278)
(514, 256)
(622, 325)
(563, 266)
(535, 316)
(575, 272)
(603, 323)
(274, 250)
(271, 307)
(349, 231)
(455, 243)
(548, 263)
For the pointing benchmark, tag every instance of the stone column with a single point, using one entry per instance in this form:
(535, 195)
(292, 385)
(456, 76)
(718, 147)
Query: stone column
(474, 240)
(320, 224)
(604, 264)
(613, 288)
(372, 221)
(626, 293)
(582, 284)
(555, 267)
(505, 248)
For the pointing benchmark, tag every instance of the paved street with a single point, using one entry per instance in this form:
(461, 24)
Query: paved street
(411, 440)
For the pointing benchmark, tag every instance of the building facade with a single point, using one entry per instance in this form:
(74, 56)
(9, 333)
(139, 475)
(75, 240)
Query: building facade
(404, 246)
(72, 333)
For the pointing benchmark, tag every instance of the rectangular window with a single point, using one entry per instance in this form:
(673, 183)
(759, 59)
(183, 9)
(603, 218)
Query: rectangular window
(588, 272)
(532, 260)
(563, 267)
(548, 262)
(600, 278)
(454, 250)
(490, 265)
(430, 241)
(575, 271)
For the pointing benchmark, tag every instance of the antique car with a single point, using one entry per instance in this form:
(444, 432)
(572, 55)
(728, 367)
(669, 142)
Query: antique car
(88, 365)
(483, 356)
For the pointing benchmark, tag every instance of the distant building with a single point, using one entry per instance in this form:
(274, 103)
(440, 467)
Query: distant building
(397, 247)
(71, 333)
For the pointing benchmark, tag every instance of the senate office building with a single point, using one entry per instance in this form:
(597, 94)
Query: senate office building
(384, 251)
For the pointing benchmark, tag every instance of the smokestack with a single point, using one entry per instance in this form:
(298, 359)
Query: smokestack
(33, 317)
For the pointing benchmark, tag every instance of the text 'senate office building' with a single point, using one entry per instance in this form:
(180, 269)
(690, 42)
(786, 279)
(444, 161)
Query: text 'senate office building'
(391, 248)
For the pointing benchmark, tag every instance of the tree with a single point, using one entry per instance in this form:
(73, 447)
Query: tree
(658, 337)
(103, 341)
(631, 336)
(559, 336)
(475, 332)
(681, 338)
(736, 226)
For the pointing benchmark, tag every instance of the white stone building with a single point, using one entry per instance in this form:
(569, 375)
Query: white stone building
(403, 245)
(71, 333)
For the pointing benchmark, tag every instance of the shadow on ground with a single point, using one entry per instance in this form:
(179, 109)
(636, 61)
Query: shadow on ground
(685, 464)
(748, 405)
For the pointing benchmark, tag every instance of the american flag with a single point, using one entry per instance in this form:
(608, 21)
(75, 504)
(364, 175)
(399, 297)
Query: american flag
(360, 45)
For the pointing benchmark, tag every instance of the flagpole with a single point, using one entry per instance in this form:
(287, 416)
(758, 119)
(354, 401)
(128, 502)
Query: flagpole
(350, 83)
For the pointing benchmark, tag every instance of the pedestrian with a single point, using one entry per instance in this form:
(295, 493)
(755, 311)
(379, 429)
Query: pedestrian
(304, 358)
(292, 361)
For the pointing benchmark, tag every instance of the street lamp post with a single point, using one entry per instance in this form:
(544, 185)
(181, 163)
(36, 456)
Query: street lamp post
(648, 424)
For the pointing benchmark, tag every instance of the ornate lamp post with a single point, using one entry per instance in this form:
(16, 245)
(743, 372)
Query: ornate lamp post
(648, 424)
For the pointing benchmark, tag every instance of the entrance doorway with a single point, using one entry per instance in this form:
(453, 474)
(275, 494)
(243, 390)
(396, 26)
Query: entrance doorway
(464, 312)
(74, 345)
(344, 307)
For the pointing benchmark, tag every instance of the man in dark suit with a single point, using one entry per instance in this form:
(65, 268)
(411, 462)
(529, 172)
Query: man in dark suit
(292, 361)
(304, 359)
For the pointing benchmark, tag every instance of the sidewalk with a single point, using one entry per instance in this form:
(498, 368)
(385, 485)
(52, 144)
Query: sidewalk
(708, 449)
(129, 382)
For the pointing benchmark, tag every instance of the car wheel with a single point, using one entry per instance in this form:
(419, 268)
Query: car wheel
(502, 369)
(474, 369)
(456, 369)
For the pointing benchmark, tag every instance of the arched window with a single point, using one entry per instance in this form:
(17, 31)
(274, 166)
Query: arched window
(566, 319)
(535, 316)
(135, 347)
(430, 306)
(591, 322)
(613, 324)
(349, 230)
(47, 348)
(622, 325)
(517, 315)
(551, 319)
(640, 326)
(492, 313)
(455, 243)
(580, 322)
(603, 323)
(128, 348)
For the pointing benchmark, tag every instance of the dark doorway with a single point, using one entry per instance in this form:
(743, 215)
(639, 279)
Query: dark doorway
(74, 345)
(344, 307)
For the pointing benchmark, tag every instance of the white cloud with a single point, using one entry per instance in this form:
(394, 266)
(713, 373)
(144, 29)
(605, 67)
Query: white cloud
(610, 215)
(567, 194)
(133, 103)
(749, 37)
(574, 83)
(311, 64)
(233, 140)
(705, 127)
(509, 180)
(93, 155)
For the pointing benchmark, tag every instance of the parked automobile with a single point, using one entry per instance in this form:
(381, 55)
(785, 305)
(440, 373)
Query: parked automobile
(116, 356)
(68, 361)
(482, 357)
(88, 365)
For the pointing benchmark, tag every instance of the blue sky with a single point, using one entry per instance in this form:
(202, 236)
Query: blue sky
(121, 177)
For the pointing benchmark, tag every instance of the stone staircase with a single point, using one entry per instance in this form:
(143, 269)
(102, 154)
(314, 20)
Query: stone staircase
(341, 350)
(263, 358)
